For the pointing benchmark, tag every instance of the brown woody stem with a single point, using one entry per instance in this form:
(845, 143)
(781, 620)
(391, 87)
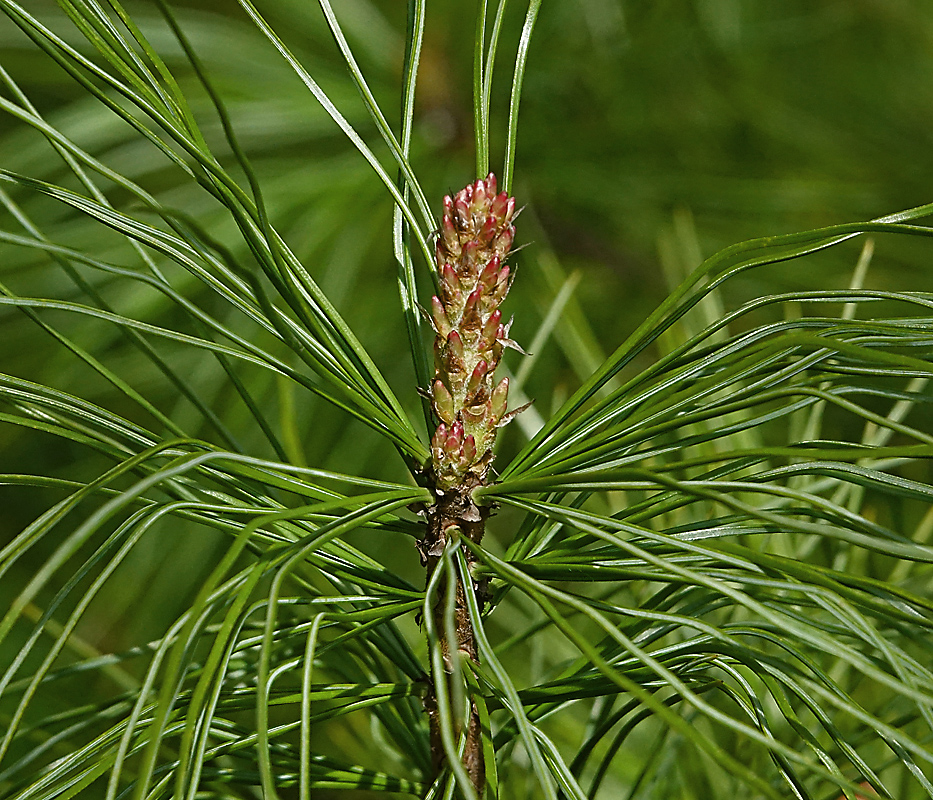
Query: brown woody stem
(454, 509)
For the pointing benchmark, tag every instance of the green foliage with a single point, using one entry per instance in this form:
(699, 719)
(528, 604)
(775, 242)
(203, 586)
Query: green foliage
(709, 571)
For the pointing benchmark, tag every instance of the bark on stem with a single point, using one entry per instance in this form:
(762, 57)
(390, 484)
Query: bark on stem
(454, 508)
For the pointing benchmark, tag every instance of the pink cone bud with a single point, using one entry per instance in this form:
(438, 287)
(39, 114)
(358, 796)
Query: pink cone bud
(490, 274)
(476, 378)
(504, 242)
(443, 402)
(479, 193)
(440, 436)
(502, 285)
(499, 206)
(499, 401)
(454, 438)
(475, 236)
(439, 316)
(491, 329)
(472, 300)
(489, 227)
(450, 238)
(450, 279)
(461, 211)
(471, 320)
(455, 344)
(469, 449)
(470, 249)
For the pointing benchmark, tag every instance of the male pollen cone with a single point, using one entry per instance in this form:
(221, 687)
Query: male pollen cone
(475, 238)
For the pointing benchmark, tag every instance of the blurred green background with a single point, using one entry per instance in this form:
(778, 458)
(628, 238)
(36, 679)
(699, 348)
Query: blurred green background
(651, 135)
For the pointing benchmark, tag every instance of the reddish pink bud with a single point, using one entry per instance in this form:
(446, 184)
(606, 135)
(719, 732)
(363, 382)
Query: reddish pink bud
(491, 328)
(479, 192)
(469, 449)
(489, 227)
(449, 237)
(502, 287)
(504, 241)
(450, 285)
(439, 315)
(450, 278)
(479, 372)
(469, 249)
(499, 401)
(472, 300)
(440, 436)
(455, 344)
(471, 321)
(454, 438)
(490, 274)
(462, 211)
(443, 402)
(499, 206)
(475, 236)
